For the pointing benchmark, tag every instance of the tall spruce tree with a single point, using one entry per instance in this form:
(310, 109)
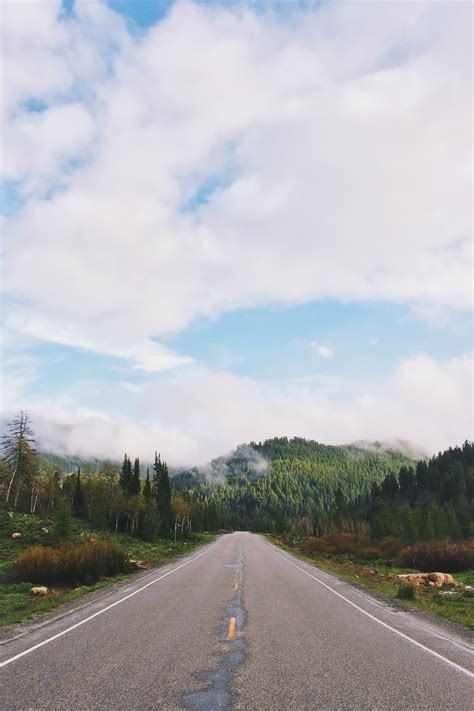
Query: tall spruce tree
(147, 493)
(162, 492)
(125, 474)
(78, 503)
(135, 484)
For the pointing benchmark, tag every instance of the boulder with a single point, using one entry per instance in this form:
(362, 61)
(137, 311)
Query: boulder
(45, 530)
(41, 590)
(440, 579)
(137, 564)
(433, 579)
(16, 535)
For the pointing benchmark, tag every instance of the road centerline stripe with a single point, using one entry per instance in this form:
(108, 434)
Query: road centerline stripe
(231, 632)
(105, 609)
(372, 617)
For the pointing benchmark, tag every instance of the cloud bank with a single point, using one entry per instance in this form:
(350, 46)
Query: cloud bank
(200, 414)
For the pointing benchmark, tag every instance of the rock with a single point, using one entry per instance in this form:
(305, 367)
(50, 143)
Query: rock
(434, 579)
(440, 579)
(16, 535)
(447, 592)
(45, 530)
(39, 590)
(137, 564)
(10, 514)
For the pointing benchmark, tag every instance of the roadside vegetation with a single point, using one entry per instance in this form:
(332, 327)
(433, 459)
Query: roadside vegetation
(64, 533)
(419, 521)
(376, 566)
(367, 514)
(89, 560)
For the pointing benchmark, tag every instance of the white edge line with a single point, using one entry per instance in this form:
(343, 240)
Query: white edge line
(104, 609)
(372, 617)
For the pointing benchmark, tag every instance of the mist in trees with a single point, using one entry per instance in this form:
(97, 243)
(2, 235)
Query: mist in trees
(105, 495)
(275, 486)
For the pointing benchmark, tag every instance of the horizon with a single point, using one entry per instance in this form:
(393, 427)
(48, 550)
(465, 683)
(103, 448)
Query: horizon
(224, 222)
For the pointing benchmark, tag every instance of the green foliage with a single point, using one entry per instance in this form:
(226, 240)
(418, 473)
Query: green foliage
(62, 521)
(20, 464)
(126, 475)
(135, 484)
(431, 502)
(300, 479)
(162, 490)
(78, 503)
(406, 592)
(147, 492)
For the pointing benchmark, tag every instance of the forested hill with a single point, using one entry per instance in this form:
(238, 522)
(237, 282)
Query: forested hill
(253, 459)
(288, 479)
(261, 485)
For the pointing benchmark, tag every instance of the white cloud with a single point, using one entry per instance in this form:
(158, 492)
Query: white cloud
(322, 350)
(143, 354)
(341, 137)
(339, 147)
(374, 342)
(200, 414)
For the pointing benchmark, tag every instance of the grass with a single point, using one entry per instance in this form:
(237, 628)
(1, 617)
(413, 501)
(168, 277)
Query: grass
(16, 600)
(380, 577)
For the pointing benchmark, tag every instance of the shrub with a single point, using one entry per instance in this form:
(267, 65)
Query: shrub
(406, 592)
(354, 545)
(84, 563)
(445, 556)
(37, 564)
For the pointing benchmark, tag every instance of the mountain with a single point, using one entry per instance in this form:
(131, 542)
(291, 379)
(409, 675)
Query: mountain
(287, 478)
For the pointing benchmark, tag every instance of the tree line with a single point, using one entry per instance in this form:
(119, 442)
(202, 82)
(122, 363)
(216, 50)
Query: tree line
(119, 498)
(302, 485)
(429, 501)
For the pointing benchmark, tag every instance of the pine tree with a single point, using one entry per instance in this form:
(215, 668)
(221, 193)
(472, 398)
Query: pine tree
(62, 520)
(163, 496)
(125, 474)
(135, 484)
(78, 503)
(129, 476)
(19, 454)
(147, 493)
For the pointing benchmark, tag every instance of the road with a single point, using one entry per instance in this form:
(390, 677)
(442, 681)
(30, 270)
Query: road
(239, 624)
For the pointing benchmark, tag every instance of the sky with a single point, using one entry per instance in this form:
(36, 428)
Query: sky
(227, 221)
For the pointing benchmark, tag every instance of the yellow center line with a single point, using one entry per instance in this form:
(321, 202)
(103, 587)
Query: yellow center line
(231, 632)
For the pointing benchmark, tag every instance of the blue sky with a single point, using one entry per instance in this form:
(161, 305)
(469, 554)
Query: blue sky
(251, 219)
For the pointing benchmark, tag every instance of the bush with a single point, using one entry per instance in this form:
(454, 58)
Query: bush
(37, 564)
(354, 545)
(406, 592)
(85, 563)
(444, 556)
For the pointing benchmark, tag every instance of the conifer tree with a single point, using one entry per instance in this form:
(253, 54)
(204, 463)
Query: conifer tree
(125, 474)
(163, 496)
(18, 452)
(135, 484)
(147, 493)
(78, 503)
(62, 524)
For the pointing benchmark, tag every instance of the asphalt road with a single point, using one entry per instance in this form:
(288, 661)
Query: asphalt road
(237, 625)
